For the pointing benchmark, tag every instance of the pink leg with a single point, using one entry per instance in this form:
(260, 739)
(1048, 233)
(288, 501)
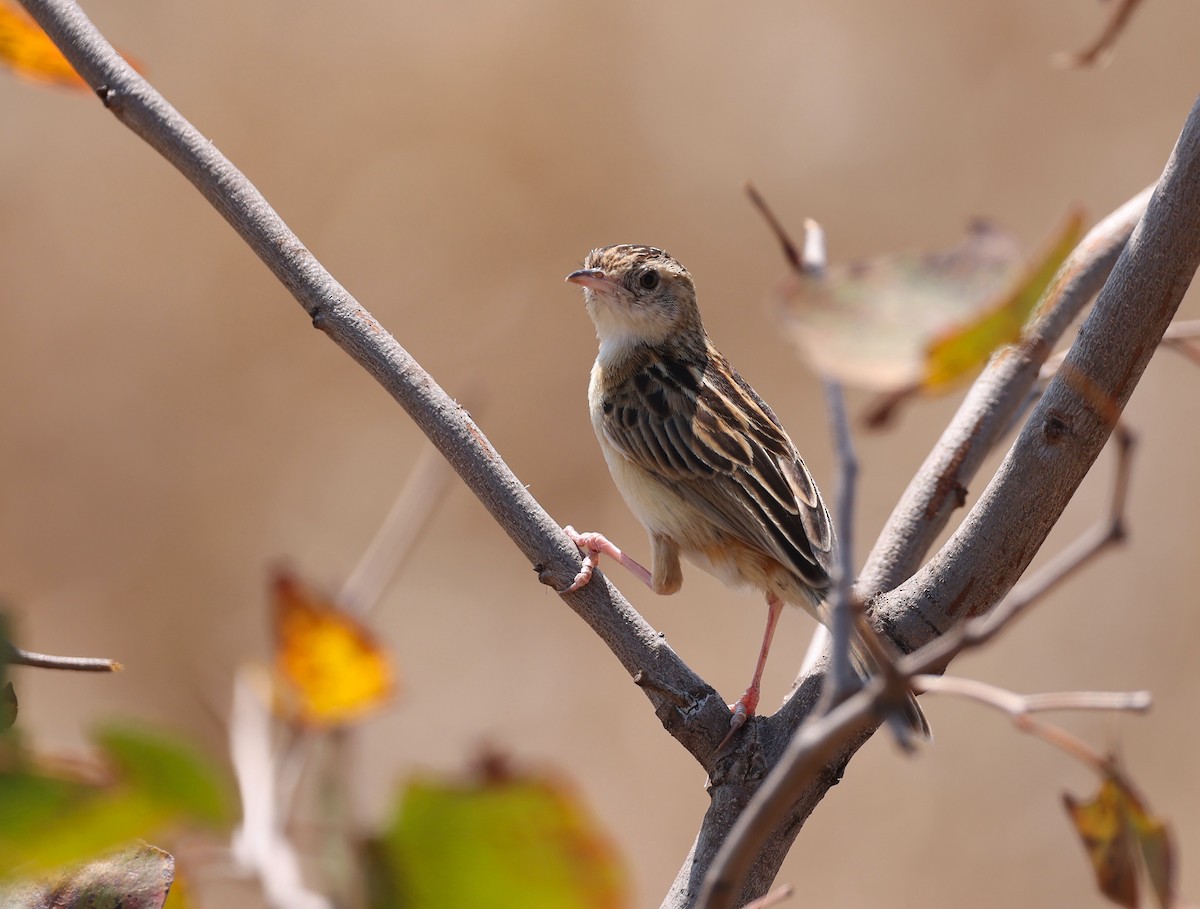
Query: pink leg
(744, 707)
(592, 544)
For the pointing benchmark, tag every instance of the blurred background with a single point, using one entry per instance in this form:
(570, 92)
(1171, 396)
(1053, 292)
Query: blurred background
(172, 424)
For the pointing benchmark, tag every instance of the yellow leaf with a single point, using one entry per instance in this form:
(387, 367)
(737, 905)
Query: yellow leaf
(330, 668)
(30, 53)
(1117, 831)
(962, 350)
(1105, 836)
(1158, 854)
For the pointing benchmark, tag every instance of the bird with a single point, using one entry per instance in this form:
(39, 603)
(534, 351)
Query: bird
(699, 457)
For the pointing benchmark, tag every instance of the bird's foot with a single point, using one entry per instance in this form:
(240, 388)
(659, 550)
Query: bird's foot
(593, 545)
(742, 709)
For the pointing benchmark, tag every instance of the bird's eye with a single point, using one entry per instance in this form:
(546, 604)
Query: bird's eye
(649, 279)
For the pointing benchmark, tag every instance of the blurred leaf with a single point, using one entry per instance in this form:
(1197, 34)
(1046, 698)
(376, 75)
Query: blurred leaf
(137, 878)
(962, 350)
(8, 694)
(330, 667)
(869, 323)
(54, 815)
(1158, 855)
(29, 52)
(8, 706)
(169, 772)
(502, 841)
(1117, 830)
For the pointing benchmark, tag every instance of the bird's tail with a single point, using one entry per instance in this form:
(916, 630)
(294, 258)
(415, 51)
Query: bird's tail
(909, 714)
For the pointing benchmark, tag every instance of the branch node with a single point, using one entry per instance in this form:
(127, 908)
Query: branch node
(1056, 427)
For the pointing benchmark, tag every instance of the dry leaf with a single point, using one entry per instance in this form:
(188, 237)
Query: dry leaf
(869, 323)
(961, 350)
(1117, 831)
(330, 668)
(137, 878)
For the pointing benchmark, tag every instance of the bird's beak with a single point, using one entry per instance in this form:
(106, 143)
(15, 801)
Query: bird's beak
(591, 277)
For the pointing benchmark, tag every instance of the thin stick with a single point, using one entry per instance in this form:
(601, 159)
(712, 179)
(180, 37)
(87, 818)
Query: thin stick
(1019, 704)
(842, 677)
(408, 516)
(19, 657)
(1018, 708)
(790, 251)
(1118, 19)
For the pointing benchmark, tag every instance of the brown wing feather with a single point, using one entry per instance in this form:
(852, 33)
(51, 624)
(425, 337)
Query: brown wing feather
(672, 419)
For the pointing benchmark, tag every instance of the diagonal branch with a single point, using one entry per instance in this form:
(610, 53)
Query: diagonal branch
(987, 554)
(793, 780)
(687, 706)
(980, 563)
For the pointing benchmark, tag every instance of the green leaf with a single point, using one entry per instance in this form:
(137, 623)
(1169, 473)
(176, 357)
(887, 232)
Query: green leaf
(48, 819)
(168, 773)
(501, 842)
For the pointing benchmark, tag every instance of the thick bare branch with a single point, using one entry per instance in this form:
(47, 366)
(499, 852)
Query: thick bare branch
(979, 564)
(1071, 423)
(988, 553)
(689, 708)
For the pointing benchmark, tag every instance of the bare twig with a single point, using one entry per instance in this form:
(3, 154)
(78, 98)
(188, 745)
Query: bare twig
(18, 657)
(842, 678)
(424, 488)
(809, 260)
(790, 251)
(1184, 338)
(1018, 707)
(1020, 704)
(1100, 49)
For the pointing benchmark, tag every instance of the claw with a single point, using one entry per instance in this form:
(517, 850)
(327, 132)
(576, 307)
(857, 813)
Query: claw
(742, 709)
(591, 555)
(736, 722)
(592, 545)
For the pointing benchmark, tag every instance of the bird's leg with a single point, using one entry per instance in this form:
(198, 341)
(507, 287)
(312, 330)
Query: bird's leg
(592, 545)
(744, 707)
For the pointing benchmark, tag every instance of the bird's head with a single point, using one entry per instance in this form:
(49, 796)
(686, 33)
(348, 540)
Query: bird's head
(638, 296)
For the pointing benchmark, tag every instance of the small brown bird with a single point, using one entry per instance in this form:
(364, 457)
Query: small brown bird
(699, 457)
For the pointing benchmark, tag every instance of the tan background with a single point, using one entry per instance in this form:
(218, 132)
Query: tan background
(171, 424)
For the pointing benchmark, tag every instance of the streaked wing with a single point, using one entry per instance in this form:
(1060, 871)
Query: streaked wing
(707, 433)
